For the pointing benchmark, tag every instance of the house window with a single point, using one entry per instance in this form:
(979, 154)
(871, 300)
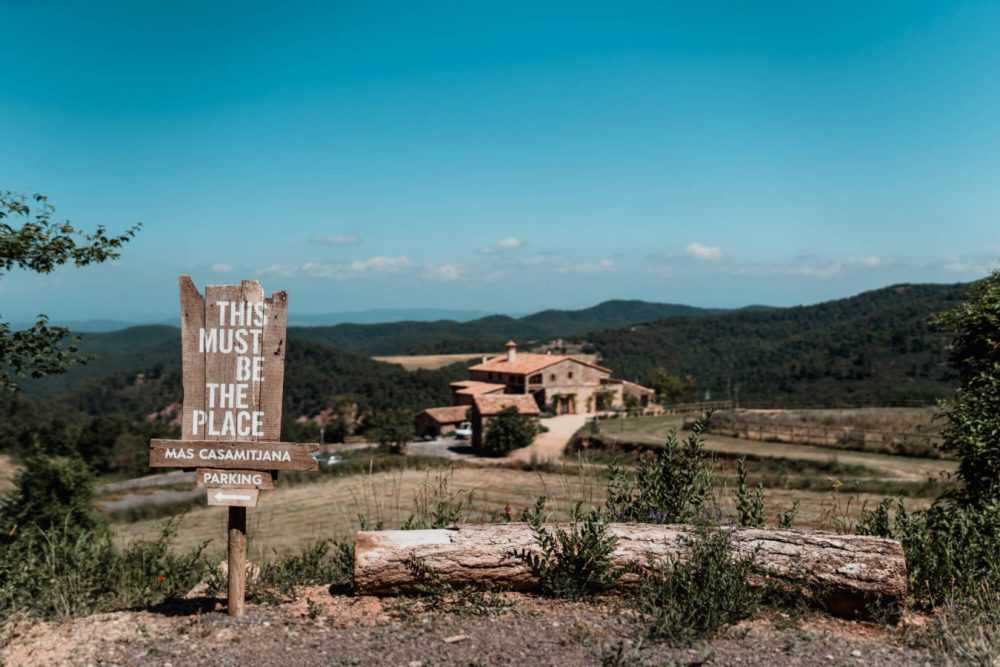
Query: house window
(552, 377)
(570, 375)
(535, 379)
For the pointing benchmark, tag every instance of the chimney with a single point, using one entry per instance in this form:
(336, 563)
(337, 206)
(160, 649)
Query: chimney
(511, 351)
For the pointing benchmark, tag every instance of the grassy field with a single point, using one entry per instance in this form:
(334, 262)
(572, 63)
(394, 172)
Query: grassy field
(431, 362)
(290, 517)
(654, 430)
(871, 419)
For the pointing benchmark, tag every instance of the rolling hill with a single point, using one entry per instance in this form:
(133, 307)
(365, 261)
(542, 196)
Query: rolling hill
(875, 347)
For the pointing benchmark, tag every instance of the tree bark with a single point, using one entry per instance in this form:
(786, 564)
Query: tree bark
(843, 572)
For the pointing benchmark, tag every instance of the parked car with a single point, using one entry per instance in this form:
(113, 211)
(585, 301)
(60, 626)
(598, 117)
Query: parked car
(464, 430)
(327, 459)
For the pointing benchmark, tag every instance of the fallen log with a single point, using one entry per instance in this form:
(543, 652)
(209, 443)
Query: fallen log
(844, 572)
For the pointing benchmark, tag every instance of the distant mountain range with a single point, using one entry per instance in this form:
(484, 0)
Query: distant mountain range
(875, 347)
(370, 316)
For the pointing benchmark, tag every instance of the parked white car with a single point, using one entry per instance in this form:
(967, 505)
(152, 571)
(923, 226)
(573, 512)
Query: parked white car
(464, 430)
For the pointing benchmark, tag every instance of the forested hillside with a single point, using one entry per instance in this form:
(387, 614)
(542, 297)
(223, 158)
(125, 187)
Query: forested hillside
(877, 347)
(488, 333)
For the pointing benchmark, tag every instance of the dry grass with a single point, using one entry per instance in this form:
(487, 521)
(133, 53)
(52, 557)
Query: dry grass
(431, 362)
(289, 518)
(654, 430)
(8, 470)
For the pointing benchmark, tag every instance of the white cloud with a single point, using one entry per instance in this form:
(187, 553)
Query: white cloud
(337, 239)
(280, 270)
(506, 243)
(221, 268)
(509, 242)
(372, 266)
(444, 273)
(699, 251)
(871, 261)
(380, 263)
(597, 267)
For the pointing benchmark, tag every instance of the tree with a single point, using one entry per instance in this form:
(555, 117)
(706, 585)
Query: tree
(669, 388)
(41, 244)
(51, 492)
(393, 430)
(973, 416)
(508, 431)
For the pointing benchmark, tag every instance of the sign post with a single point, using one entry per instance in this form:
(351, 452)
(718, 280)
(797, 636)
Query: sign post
(233, 343)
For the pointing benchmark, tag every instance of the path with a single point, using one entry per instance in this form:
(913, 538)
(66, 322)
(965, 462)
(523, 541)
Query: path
(551, 445)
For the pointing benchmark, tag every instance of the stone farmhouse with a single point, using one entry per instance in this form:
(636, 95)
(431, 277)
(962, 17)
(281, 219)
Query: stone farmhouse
(533, 383)
(560, 384)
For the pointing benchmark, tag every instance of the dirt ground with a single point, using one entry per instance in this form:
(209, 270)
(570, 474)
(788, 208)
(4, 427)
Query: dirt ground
(325, 629)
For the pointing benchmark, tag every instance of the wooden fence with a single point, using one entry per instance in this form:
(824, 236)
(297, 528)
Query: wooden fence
(914, 443)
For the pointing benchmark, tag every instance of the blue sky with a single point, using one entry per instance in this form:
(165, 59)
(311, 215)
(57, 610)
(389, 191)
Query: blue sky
(505, 156)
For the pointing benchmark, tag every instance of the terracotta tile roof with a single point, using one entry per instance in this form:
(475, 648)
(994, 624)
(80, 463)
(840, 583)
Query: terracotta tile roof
(475, 388)
(493, 404)
(526, 363)
(448, 415)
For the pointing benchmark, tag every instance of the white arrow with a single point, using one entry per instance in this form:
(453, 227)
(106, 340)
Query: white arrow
(220, 496)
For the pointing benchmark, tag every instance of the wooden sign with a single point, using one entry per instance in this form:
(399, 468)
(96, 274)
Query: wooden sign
(233, 479)
(242, 455)
(233, 344)
(233, 497)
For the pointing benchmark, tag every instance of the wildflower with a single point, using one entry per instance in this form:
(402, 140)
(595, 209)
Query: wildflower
(161, 578)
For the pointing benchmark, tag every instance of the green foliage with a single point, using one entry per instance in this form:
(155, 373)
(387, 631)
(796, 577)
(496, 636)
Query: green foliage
(51, 492)
(671, 389)
(604, 399)
(508, 431)
(487, 333)
(692, 599)
(326, 562)
(967, 633)
(749, 503)
(574, 562)
(973, 417)
(41, 244)
(872, 348)
(392, 429)
(62, 572)
(952, 552)
(437, 506)
(672, 485)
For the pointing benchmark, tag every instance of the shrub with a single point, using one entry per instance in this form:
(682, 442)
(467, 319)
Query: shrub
(952, 552)
(59, 572)
(749, 504)
(436, 506)
(51, 492)
(393, 430)
(508, 431)
(574, 563)
(692, 599)
(672, 485)
(973, 417)
(325, 562)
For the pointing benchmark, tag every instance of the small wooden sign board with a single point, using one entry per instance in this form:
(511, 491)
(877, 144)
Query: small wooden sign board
(216, 478)
(233, 497)
(233, 344)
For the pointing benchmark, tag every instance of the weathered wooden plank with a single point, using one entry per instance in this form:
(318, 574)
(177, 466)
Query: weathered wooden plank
(253, 294)
(274, 363)
(236, 455)
(845, 572)
(220, 367)
(219, 478)
(233, 497)
(237, 561)
(193, 375)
